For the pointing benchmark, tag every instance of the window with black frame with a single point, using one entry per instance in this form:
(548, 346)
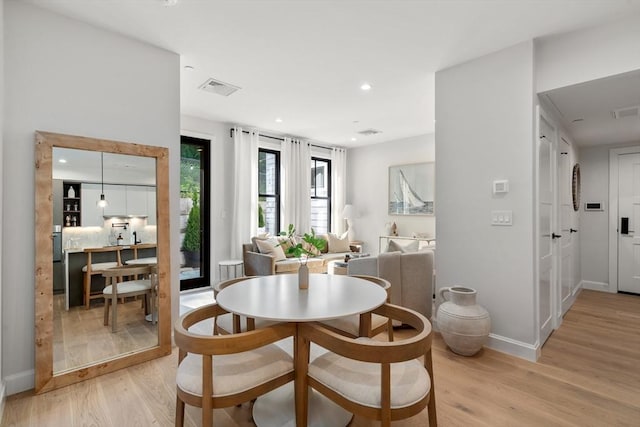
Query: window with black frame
(268, 191)
(320, 195)
(194, 212)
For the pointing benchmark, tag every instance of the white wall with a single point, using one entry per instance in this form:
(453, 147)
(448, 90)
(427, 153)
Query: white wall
(2, 383)
(589, 54)
(65, 76)
(368, 187)
(484, 132)
(221, 183)
(594, 226)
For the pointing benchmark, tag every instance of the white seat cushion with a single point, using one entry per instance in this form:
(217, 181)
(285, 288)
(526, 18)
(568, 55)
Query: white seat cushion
(130, 286)
(99, 266)
(234, 373)
(225, 322)
(351, 324)
(360, 381)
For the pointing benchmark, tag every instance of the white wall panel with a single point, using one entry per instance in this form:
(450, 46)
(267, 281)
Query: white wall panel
(66, 76)
(484, 132)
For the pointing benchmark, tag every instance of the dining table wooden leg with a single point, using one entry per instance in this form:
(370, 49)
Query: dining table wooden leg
(301, 358)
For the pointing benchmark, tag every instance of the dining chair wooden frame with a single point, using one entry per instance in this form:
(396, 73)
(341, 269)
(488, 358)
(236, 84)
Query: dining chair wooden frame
(237, 327)
(209, 346)
(372, 351)
(91, 269)
(122, 288)
(364, 322)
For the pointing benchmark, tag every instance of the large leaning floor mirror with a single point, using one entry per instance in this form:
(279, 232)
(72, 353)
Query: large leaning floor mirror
(102, 276)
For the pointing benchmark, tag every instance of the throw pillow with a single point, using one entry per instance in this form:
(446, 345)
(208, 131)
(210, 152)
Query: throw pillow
(397, 247)
(308, 247)
(336, 244)
(270, 247)
(285, 244)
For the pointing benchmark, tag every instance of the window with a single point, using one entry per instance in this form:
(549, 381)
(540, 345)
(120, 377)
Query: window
(269, 191)
(194, 208)
(320, 195)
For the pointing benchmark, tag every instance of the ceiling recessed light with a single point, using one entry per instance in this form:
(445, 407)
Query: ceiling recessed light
(278, 120)
(365, 86)
(354, 139)
(189, 67)
(62, 161)
(170, 2)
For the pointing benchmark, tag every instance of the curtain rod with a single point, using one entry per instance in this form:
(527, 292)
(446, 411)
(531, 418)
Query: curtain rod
(280, 139)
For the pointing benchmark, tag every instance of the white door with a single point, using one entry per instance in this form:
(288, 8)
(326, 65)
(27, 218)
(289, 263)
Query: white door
(546, 194)
(566, 226)
(629, 223)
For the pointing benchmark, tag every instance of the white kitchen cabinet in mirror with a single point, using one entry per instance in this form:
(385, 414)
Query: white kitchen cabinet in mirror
(136, 200)
(92, 215)
(95, 356)
(151, 206)
(116, 196)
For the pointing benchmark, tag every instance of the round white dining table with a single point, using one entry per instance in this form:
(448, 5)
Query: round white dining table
(278, 298)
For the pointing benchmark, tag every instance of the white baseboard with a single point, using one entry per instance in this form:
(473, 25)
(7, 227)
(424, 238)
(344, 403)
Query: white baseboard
(514, 347)
(596, 286)
(17, 383)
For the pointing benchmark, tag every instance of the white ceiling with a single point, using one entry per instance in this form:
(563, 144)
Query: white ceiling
(303, 61)
(587, 109)
(86, 166)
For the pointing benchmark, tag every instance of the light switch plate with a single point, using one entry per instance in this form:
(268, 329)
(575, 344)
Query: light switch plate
(501, 217)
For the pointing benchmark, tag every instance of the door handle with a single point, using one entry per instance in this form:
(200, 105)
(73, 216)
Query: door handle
(573, 230)
(555, 236)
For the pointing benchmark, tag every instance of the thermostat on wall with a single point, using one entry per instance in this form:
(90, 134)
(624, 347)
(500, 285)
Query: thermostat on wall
(500, 186)
(594, 206)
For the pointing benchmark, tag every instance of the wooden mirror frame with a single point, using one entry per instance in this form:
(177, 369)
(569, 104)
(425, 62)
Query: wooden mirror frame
(45, 379)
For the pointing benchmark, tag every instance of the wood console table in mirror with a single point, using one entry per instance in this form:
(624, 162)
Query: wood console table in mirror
(72, 343)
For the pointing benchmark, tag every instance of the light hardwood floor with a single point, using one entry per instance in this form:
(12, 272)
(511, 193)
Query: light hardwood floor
(588, 375)
(80, 337)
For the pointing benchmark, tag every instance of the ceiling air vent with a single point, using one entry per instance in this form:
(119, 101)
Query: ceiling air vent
(626, 112)
(216, 86)
(369, 132)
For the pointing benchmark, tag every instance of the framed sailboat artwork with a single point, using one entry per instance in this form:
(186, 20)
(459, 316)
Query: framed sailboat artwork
(411, 189)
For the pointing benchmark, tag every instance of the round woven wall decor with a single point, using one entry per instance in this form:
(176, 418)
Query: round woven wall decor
(575, 187)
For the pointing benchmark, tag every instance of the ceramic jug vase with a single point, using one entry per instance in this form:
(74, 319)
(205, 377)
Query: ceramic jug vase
(464, 325)
(303, 276)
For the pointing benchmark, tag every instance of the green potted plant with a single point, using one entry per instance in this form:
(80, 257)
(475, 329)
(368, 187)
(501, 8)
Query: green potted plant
(191, 242)
(303, 251)
(261, 219)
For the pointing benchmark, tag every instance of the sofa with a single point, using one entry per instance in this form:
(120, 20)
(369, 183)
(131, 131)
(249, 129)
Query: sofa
(410, 275)
(259, 263)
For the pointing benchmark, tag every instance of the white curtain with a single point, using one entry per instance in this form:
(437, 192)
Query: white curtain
(338, 189)
(244, 216)
(296, 183)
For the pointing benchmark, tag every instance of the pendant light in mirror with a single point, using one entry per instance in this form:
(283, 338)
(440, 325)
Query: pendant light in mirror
(102, 203)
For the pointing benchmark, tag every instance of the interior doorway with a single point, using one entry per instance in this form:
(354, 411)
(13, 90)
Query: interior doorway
(624, 220)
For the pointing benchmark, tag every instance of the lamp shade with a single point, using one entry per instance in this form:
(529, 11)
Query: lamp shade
(348, 212)
(102, 203)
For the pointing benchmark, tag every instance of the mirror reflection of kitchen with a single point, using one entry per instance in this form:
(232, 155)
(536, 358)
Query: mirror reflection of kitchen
(123, 231)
